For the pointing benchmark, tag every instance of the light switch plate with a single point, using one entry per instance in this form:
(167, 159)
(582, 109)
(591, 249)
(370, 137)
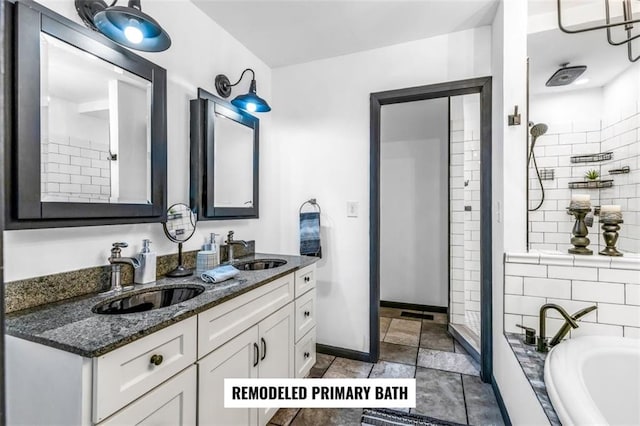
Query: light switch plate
(352, 208)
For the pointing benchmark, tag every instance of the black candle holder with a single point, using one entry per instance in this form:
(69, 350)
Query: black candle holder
(610, 228)
(580, 231)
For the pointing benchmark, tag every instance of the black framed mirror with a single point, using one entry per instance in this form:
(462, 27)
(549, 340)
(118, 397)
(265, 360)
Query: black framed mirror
(88, 142)
(224, 159)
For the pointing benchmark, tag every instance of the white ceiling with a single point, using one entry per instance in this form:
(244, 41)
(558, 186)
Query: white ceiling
(290, 32)
(549, 47)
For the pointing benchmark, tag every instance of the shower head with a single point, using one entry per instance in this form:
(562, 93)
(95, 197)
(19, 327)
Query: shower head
(565, 75)
(538, 130)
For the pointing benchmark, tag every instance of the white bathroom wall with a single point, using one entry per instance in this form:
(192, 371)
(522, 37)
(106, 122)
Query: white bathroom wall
(621, 135)
(413, 202)
(321, 130)
(573, 120)
(200, 50)
(509, 198)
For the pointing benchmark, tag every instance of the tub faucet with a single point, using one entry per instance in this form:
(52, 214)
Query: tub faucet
(231, 242)
(116, 261)
(566, 327)
(543, 346)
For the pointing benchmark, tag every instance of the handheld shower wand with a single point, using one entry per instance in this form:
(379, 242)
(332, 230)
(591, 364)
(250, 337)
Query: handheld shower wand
(536, 131)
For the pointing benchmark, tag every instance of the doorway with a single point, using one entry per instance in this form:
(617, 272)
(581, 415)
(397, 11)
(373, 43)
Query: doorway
(453, 246)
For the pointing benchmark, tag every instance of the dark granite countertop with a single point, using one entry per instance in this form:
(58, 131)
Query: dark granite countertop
(71, 325)
(532, 363)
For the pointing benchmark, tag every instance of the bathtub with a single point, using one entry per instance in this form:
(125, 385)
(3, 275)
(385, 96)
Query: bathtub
(595, 380)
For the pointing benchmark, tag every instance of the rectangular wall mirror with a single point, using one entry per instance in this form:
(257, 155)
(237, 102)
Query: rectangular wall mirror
(224, 159)
(98, 155)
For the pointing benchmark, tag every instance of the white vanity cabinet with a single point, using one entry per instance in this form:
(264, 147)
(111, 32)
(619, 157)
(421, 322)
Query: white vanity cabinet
(305, 305)
(53, 387)
(263, 351)
(174, 376)
(278, 341)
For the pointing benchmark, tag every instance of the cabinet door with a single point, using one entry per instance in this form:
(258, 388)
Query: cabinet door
(172, 404)
(237, 359)
(276, 351)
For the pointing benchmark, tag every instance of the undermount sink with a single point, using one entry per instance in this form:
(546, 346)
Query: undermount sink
(260, 264)
(148, 300)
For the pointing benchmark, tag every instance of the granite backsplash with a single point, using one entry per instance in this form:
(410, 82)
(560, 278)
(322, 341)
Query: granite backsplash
(32, 292)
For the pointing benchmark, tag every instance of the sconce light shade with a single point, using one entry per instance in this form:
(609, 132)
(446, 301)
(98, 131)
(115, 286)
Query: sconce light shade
(250, 101)
(128, 26)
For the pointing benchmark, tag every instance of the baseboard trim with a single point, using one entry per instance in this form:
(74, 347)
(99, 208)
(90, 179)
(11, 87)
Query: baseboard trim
(500, 401)
(343, 353)
(414, 307)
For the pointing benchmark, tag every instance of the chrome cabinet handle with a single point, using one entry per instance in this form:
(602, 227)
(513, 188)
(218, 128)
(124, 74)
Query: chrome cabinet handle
(156, 359)
(264, 348)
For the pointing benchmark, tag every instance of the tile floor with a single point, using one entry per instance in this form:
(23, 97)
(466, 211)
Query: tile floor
(447, 380)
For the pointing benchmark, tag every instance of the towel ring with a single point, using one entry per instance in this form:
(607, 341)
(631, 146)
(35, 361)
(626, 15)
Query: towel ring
(313, 203)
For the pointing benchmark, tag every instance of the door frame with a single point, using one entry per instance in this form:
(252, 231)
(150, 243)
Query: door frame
(482, 86)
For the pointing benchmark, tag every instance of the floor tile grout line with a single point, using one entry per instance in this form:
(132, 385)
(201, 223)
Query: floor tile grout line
(464, 400)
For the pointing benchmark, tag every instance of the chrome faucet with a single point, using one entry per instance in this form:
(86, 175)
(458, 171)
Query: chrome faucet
(543, 346)
(116, 261)
(231, 242)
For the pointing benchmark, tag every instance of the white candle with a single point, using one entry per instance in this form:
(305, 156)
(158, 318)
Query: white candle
(609, 208)
(581, 197)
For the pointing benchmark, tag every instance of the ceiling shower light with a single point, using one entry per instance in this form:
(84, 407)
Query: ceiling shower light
(250, 101)
(128, 26)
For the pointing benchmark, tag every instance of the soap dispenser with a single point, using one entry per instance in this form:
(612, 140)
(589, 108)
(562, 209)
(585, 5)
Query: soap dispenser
(146, 273)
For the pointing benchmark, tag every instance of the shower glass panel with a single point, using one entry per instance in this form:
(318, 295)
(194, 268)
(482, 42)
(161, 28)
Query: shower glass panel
(464, 217)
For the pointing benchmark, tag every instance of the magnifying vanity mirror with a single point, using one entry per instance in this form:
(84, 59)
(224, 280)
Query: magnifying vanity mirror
(89, 143)
(179, 227)
(224, 159)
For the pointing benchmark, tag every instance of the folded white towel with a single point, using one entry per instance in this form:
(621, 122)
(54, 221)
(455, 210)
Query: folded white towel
(219, 274)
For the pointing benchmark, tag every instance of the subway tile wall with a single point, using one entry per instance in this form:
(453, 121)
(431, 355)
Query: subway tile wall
(573, 282)
(76, 170)
(465, 211)
(550, 226)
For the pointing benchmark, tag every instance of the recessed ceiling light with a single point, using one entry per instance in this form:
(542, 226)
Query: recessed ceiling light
(581, 81)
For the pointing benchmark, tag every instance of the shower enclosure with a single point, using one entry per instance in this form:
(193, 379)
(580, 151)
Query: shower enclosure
(464, 217)
(468, 268)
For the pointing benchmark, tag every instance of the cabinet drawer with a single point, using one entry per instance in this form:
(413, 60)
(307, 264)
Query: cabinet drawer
(127, 373)
(305, 279)
(306, 353)
(225, 321)
(172, 404)
(305, 314)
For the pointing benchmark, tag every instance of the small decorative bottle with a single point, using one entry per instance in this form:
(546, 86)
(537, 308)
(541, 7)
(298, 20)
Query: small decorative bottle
(146, 273)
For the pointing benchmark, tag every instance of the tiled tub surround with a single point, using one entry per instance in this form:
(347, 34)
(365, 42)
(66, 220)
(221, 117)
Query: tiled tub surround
(532, 363)
(72, 326)
(573, 282)
(32, 292)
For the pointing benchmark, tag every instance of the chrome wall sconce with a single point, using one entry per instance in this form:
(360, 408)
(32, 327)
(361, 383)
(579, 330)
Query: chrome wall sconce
(128, 26)
(250, 101)
(627, 22)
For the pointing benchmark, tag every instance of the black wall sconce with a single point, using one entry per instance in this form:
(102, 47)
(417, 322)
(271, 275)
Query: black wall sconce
(128, 26)
(250, 101)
